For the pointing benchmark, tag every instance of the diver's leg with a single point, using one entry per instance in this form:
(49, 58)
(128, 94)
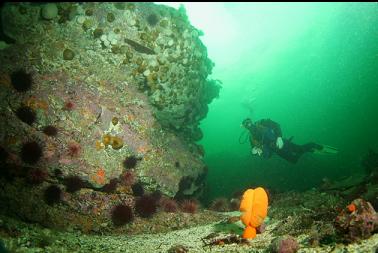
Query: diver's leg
(311, 146)
(290, 151)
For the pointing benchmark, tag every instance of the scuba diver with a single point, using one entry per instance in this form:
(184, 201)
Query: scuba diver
(266, 138)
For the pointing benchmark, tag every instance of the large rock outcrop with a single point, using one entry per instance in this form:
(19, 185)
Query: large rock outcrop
(107, 94)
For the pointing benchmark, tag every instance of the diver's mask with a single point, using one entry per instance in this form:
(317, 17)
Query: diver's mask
(247, 123)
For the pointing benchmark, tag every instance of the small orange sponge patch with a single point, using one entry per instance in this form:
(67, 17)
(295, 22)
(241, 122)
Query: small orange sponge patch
(254, 206)
(351, 207)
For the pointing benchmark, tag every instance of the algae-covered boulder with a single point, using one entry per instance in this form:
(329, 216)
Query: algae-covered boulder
(49, 11)
(136, 92)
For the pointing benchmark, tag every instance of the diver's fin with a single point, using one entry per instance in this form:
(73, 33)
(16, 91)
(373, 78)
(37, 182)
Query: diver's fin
(326, 150)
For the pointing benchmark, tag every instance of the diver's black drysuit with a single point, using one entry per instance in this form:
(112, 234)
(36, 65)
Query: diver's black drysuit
(264, 134)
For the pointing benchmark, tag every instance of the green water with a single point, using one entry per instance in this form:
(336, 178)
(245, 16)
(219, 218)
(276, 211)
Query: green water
(311, 67)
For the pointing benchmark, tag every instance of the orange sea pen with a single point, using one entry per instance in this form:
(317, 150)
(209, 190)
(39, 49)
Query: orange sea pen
(254, 206)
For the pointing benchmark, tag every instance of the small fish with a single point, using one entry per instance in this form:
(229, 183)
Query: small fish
(139, 48)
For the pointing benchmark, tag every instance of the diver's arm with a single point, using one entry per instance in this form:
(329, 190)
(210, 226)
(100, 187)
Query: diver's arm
(255, 149)
(277, 131)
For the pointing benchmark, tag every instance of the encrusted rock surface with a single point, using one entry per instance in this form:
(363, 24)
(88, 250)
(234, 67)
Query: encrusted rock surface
(116, 81)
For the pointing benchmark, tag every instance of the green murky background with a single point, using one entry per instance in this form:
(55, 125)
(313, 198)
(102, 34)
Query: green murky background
(312, 67)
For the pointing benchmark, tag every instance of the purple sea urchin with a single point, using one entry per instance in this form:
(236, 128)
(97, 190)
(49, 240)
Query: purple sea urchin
(130, 162)
(74, 149)
(21, 81)
(31, 152)
(189, 206)
(50, 130)
(121, 214)
(146, 206)
(73, 183)
(26, 114)
(53, 195)
(284, 244)
(168, 205)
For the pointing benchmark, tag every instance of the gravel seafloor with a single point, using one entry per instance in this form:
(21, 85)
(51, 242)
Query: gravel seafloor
(36, 239)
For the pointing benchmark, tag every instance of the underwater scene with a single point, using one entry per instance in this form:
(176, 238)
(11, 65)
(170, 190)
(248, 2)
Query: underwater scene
(188, 127)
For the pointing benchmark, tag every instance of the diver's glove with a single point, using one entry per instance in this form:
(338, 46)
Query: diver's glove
(279, 143)
(256, 151)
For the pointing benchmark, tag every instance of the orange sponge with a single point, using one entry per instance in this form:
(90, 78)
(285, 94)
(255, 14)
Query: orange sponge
(254, 206)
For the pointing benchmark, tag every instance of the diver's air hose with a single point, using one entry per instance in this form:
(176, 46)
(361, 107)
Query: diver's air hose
(243, 135)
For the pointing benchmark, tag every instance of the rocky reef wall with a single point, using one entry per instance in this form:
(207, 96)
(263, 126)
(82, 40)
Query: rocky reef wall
(97, 100)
